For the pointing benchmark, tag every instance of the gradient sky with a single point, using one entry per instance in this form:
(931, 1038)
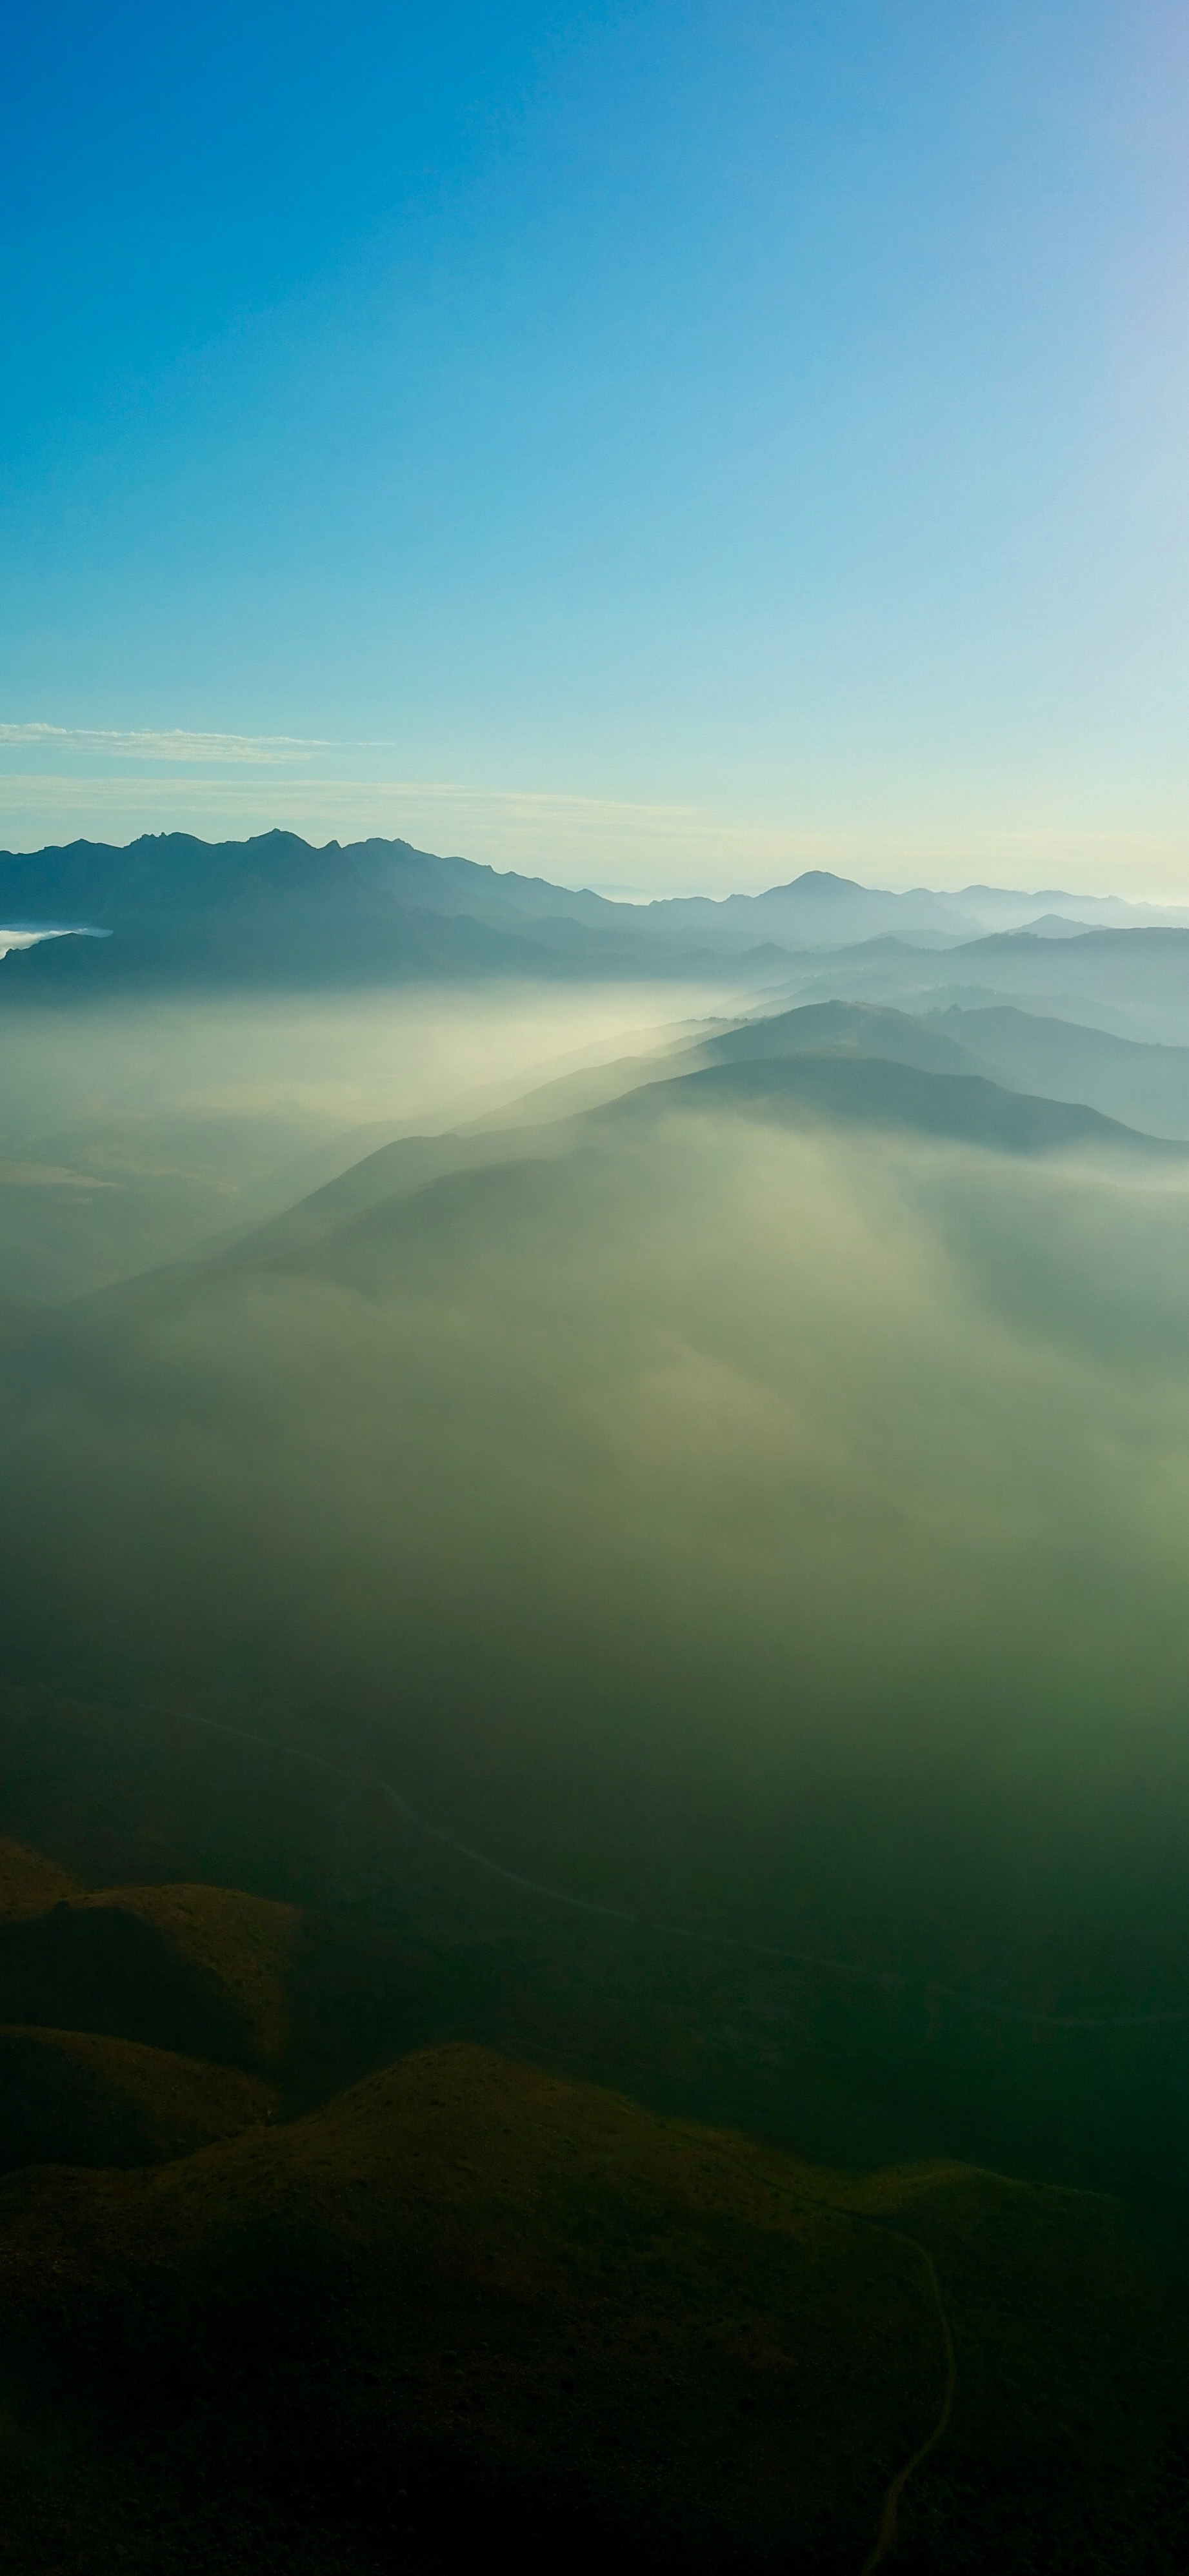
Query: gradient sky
(654, 444)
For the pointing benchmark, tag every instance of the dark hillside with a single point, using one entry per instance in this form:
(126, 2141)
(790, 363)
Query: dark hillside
(70, 2097)
(201, 1969)
(465, 2291)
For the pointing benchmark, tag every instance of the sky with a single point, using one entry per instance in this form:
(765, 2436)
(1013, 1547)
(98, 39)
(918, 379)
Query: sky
(659, 446)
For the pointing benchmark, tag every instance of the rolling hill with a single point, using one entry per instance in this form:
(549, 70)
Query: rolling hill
(279, 2323)
(465, 2297)
(200, 1969)
(74, 2097)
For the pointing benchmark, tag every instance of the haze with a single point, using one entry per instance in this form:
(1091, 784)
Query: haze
(594, 1225)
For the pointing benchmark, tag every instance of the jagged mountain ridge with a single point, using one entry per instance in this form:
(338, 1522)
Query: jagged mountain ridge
(274, 908)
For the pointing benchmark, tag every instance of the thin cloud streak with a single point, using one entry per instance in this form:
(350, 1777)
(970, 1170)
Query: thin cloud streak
(648, 848)
(174, 745)
(270, 750)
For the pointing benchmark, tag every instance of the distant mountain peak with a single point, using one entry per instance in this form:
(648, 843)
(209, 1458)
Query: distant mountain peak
(817, 881)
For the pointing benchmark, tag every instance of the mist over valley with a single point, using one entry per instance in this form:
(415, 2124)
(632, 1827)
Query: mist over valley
(624, 1524)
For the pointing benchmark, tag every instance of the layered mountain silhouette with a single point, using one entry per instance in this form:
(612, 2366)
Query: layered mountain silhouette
(843, 1065)
(274, 910)
(876, 1093)
(834, 1063)
(1131, 983)
(1147, 1086)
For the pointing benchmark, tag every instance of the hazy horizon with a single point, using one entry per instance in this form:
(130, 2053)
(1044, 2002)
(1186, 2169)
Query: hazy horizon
(718, 890)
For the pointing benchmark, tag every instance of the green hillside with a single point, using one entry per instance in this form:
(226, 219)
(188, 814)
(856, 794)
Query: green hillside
(465, 2297)
(473, 2293)
(72, 2097)
(200, 1968)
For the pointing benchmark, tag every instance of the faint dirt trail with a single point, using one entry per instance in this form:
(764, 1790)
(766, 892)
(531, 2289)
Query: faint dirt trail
(886, 2537)
(886, 2540)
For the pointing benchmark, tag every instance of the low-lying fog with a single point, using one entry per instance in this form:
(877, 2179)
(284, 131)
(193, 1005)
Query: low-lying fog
(132, 1132)
(784, 1531)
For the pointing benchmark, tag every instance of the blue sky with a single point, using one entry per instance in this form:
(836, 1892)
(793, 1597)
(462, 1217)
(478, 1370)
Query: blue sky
(652, 444)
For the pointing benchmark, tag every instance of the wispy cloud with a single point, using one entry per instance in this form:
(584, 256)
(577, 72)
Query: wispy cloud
(268, 750)
(573, 838)
(276, 751)
(75, 793)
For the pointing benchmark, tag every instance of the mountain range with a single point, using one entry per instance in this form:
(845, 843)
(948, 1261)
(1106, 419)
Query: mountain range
(273, 909)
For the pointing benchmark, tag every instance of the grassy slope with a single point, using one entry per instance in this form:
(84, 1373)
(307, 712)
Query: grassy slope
(464, 2288)
(201, 1969)
(205, 1973)
(81, 2095)
(72, 2097)
(30, 1882)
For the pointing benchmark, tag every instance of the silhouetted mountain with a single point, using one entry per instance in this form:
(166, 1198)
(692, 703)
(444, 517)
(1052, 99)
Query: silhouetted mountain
(819, 910)
(1137, 965)
(1143, 1086)
(274, 910)
(816, 910)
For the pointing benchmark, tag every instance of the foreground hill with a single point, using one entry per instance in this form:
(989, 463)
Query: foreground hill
(391, 1936)
(132, 2018)
(466, 2301)
(467, 2298)
(202, 1969)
